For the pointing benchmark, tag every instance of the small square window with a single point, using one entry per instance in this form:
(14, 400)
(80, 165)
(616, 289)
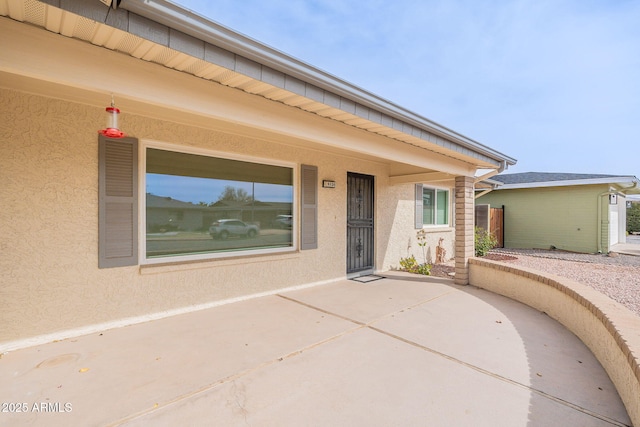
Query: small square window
(435, 206)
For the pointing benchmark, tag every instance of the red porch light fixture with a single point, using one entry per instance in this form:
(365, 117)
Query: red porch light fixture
(112, 130)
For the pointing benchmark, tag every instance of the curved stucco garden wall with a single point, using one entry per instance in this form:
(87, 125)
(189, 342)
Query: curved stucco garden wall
(610, 330)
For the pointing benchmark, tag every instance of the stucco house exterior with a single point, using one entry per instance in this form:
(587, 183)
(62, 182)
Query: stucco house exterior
(567, 211)
(100, 231)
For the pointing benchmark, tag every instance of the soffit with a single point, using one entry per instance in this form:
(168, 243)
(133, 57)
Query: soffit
(184, 53)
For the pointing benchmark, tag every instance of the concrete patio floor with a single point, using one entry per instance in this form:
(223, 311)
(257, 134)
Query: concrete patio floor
(392, 352)
(632, 247)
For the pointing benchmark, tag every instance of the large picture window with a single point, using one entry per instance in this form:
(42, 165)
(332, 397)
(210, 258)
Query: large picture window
(198, 205)
(435, 206)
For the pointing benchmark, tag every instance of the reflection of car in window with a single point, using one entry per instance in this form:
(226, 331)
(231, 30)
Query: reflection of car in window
(284, 221)
(223, 228)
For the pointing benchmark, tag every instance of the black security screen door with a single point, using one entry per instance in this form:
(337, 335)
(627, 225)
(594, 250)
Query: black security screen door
(360, 209)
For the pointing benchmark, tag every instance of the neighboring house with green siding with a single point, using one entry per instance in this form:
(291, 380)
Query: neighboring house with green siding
(573, 212)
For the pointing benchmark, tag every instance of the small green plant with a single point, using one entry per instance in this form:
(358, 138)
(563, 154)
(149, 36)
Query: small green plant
(484, 241)
(409, 263)
(424, 269)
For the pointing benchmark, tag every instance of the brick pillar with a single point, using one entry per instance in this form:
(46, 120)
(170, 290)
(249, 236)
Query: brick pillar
(464, 244)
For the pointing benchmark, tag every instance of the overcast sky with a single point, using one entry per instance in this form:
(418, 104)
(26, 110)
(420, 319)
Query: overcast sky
(552, 83)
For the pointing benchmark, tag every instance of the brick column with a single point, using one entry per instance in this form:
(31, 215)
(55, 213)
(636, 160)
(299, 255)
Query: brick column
(464, 245)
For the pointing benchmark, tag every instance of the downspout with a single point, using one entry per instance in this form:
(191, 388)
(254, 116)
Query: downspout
(503, 166)
(599, 228)
(487, 191)
(634, 186)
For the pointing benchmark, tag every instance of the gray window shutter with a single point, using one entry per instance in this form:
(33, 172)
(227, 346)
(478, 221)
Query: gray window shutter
(309, 211)
(418, 197)
(118, 202)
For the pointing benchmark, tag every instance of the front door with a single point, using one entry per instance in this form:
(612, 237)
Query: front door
(360, 209)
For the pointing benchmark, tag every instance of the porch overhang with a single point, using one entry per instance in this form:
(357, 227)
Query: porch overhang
(156, 42)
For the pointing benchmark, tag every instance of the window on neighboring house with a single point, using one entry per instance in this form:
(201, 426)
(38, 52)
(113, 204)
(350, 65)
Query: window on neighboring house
(432, 206)
(199, 205)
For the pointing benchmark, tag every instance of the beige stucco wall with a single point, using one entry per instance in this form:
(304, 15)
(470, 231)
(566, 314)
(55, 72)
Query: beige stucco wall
(50, 282)
(397, 236)
(607, 328)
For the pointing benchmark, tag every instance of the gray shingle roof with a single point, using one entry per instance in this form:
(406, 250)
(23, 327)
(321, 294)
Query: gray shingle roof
(531, 177)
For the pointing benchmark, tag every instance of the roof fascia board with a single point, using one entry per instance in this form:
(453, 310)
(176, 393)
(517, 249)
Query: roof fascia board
(190, 23)
(570, 183)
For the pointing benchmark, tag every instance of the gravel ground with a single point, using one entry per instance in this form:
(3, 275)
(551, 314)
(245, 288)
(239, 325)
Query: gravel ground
(615, 276)
(618, 276)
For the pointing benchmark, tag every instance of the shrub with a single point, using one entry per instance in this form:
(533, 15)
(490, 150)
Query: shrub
(410, 265)
(484, 241)
(633, 218)
(424, 269)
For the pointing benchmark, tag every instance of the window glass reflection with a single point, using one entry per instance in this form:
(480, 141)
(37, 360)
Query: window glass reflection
(192, 209)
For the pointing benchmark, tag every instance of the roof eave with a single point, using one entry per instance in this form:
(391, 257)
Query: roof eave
(620, 181)
(188, 22)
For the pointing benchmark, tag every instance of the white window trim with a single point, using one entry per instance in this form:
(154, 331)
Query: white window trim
(142, 214)
(448, 225)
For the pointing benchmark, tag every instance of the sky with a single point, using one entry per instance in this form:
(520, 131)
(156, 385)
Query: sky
(554, 84)
(205, 190)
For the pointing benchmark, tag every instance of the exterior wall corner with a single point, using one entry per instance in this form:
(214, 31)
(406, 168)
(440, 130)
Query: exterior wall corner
(464, 245)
